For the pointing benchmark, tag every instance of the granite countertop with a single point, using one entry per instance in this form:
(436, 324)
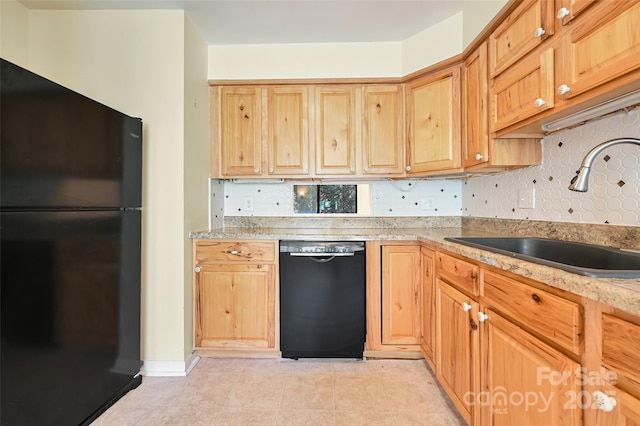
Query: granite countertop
(620, 293)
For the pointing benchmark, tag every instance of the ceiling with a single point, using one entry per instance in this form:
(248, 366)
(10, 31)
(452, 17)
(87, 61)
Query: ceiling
(289, 21)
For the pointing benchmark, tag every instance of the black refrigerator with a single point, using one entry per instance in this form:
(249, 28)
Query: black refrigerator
(70, 197)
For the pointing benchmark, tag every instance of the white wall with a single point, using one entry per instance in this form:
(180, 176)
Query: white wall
(614, 183)
(150, 64)
(476, 15)
(196, 162)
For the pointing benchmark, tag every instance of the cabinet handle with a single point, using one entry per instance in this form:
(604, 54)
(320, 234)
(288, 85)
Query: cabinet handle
(466, 307)
(352, 170)
(271, 170)
(256, 171)
(479, 156)
(539, 103)
(539, 32)
(366, 169)
(563, 12)
(604, 401)
(482, 317)
(563, 89)
(408, 168)
(198, 269)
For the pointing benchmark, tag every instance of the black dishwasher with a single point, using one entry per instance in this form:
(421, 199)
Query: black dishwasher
(322, 299)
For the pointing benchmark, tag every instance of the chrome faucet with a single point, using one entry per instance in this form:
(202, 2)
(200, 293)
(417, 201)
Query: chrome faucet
(580, 181)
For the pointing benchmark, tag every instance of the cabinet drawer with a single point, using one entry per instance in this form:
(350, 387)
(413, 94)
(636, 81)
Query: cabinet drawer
(240, 251)
(621, 346)
(550, 316)
(462, 274)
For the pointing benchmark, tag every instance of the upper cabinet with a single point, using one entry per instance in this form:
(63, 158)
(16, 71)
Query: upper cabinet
(433, 123)
(240, 131)
(383, 130)
(522, 31)
(594, 57)
(335, 135)
(288, 130)
(600, 47)
(480, 152)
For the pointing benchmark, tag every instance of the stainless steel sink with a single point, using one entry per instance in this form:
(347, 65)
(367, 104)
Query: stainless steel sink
(583, 259)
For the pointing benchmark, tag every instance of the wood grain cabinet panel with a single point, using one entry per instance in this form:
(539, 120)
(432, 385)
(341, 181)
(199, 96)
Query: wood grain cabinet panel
(523, 91)
(520, 383)
(382, 130)
(241, 131)
(235, 295)
(335, 130)
(428, 305)
(433, 124)
(400, 295)
(288, 130)
(601, 46)
(552, 317)
(522, 31)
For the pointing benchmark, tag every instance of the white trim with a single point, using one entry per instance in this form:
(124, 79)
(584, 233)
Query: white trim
(169, 368)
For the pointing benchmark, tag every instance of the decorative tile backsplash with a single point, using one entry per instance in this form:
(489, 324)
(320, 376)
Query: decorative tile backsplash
(614, 186)
(388, 198)
(613, 196)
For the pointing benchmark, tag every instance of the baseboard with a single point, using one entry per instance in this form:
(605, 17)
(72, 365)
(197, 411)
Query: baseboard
(170, 368)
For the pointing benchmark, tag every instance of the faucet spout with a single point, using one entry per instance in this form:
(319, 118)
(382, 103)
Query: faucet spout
(580, 181)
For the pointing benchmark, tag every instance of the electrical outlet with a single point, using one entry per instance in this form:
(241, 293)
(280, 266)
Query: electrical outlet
(527, 198)
(428, 203)
(248, 204)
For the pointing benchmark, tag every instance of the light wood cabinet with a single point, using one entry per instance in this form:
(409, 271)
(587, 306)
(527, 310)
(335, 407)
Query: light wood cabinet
(480, 152)
(393, 299)
(428, 305)
(523, 91)
(400, 295)
(522, 31)
(601, 46)
(568, 10)
(526, 381)
(235, 295)
(433, 123)
(383, 130)
(457, 346)
(626, 411)
(335, 130)
(240, 131)
(288, 130)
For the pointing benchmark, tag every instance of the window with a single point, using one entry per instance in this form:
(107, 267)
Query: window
(313, 199)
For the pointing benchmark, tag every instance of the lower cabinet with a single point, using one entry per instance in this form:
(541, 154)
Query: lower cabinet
(235, 295)
(616, 407)
(525, 381)
(428, 305)
(457, 346)
(393, 299)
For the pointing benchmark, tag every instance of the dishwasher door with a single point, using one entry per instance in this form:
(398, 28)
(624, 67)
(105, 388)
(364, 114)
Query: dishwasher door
(322, 305)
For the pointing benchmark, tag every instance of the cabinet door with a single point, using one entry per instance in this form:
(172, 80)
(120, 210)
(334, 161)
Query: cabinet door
(568, 10)
(382, 130)
(433, 117)
(626, 411)
(288, 130)
(526, 382)
(428, 305)
(521, 32)
(335, 130)
(456, 346)
(602, 46)
(400, 295)
(475, 137)
(241, 131)
(235, 306)
(523, 91)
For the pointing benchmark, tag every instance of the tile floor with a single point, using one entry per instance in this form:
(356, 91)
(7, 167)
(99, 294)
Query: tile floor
(286, 392)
